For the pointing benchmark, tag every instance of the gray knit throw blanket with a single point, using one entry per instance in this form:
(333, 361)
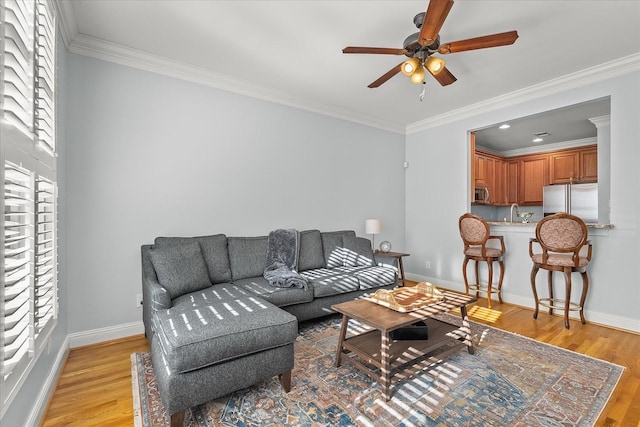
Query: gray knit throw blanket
(282, 260)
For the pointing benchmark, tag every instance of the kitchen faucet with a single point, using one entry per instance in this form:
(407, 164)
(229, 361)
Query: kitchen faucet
(515, 205)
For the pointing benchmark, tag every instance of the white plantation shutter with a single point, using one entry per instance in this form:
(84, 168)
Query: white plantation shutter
(44, 79)
(17, 337)
(17, 67)
(28, 270)
(45, 254)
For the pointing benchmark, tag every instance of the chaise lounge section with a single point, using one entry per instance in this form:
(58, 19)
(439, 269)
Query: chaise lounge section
(216, 325)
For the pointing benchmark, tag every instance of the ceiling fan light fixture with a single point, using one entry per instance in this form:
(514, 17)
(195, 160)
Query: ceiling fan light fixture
(418, 75)
(435, 65)
(410, 66)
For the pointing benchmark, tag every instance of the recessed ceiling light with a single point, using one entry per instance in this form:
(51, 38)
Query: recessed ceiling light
(538, 139)
(504, 126)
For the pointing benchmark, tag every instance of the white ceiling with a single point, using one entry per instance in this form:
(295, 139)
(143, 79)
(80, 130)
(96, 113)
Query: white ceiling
(290, 51)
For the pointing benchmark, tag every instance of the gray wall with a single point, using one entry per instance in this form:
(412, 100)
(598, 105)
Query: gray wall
(439, 177)
(150, 155)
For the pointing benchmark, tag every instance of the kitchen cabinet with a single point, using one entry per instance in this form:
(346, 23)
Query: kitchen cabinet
(589, 164)
(489, 172)
(573, 166)
(533, 173)
(499, 183)
(520, 179)
(482, 170)
(512, 180)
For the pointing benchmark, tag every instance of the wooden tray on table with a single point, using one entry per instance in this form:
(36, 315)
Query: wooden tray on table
(408, 299)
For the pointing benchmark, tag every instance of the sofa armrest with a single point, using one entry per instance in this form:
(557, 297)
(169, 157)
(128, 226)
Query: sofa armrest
(385, 261)
(154, 296)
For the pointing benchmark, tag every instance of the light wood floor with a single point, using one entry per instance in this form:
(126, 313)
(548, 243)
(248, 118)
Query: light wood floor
(94, 388)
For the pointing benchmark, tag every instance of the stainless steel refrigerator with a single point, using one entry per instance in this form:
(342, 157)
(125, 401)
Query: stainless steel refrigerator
(577, 199)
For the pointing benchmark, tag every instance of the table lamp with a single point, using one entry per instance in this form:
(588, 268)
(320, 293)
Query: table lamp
(372, 226)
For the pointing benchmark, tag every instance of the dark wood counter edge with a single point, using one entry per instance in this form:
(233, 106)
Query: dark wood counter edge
(520, 224)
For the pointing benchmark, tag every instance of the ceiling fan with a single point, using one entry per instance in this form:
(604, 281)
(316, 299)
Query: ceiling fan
(420, 47)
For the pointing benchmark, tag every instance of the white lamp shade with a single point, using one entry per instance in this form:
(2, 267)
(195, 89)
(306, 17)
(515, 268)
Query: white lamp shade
(372, 226)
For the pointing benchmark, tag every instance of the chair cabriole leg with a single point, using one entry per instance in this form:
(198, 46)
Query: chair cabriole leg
(534, 272)
(585, 289)
(477, 280)
(490, 281)
(464, 274)
(550, 282)
(501, 263)
(567, 299)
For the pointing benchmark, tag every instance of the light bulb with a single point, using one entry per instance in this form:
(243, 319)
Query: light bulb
(409, 66)
(418, 76)
(435, 65)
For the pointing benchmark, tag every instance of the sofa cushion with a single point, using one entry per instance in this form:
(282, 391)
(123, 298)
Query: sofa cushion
(214, 293)
(247, 256)
(326, 282)
(373, 277)
(214, 251)
(333, 247)
(193, 338)
(357, 252)
(311, 255)
(280, 297)
(181, 269)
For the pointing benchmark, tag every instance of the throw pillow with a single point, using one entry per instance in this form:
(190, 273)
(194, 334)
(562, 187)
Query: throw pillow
(214, 251)
(311, 255)
(333, 248)
(180, 269)
(358, 252)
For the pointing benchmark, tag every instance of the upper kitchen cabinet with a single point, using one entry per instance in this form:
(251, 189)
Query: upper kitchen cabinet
(574, 166)
(533, 176)
(490, 174)
(589, 164)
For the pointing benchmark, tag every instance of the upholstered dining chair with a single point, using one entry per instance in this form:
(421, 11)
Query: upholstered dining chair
(475, 234)
(562, 238)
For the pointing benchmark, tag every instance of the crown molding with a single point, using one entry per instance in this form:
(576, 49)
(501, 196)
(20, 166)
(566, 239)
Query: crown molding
(564, 145)
(96, 48)
(66, 22)
(584, 77)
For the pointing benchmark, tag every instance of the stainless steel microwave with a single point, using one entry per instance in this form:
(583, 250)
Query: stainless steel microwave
(481, 195)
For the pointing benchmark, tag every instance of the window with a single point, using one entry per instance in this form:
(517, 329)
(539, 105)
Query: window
(28, 271)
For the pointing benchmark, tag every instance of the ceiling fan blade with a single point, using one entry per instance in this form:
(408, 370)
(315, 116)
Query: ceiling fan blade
(501, 39)
(375, 50)
(444, 77)
(433, 19)
(386, 76)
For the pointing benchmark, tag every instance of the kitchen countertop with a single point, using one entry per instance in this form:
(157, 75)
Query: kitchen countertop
(533, 223)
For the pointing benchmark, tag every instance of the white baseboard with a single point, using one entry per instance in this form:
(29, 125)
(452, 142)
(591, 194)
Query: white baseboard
(41, 401)
(78, 339)
(604, 319)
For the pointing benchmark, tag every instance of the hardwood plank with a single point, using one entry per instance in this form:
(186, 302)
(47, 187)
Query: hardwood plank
(94, 388)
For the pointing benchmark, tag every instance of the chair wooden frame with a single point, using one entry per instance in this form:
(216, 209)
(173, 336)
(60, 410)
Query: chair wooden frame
(482, 242)
(556, 303)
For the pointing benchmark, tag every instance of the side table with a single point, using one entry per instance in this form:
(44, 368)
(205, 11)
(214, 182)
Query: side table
(398, 256)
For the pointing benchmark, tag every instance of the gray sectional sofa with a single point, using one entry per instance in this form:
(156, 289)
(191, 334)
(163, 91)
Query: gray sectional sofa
(339, 266)
(216, 325)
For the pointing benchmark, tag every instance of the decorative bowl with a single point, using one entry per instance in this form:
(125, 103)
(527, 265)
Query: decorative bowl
(525, 216)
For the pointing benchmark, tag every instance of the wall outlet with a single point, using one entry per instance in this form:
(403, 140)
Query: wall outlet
(427, 264)
(139, 300)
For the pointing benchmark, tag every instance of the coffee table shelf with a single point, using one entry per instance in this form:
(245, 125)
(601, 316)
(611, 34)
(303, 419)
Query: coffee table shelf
(386, 360)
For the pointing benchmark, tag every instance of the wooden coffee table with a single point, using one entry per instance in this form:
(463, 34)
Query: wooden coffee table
(374, 348)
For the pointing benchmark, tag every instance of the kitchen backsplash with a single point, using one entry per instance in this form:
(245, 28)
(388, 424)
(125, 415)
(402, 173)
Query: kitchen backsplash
(501, 213)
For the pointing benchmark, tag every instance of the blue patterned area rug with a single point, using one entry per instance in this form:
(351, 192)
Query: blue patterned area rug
(510, 381)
